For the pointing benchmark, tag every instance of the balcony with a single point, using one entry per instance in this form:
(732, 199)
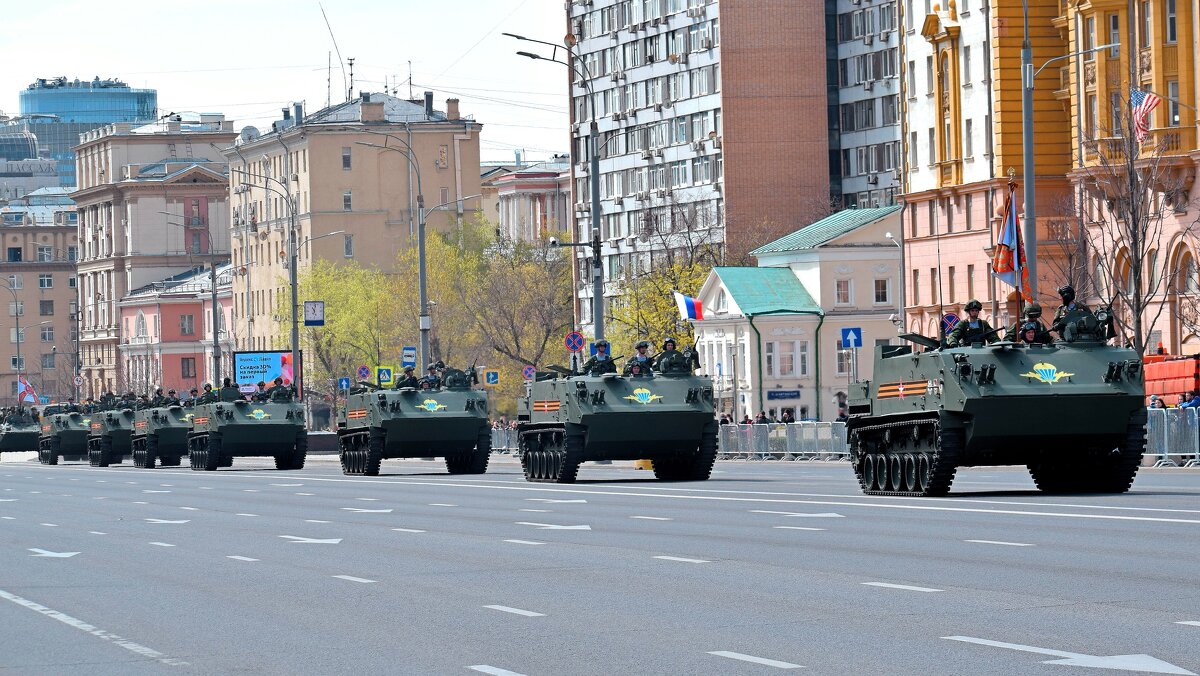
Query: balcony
(1169, 141)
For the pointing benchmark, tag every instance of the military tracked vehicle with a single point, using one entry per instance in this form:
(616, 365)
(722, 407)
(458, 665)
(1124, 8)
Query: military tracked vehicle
(450, 421)
(64, 435)
(1072, 411)
(160, 435)
(242, 429)
(19, 434)
(565, 419)
(109, 442)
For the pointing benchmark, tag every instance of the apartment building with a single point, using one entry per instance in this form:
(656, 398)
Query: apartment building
(37, 277)
(864, 102)
(152, 203)
(710, 125)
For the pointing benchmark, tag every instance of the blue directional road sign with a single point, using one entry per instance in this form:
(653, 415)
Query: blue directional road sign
(574, 341)
(491, 377)
(343, 383)
(364, 372)
(408, 356)
(851, 338)
(528, 372)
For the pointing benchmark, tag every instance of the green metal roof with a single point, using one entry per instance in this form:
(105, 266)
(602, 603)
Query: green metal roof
(759, 291)
(824, 230)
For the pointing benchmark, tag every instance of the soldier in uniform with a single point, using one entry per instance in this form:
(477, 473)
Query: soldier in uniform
(279, 392)
(409, 380)
(260, 395)
(172, 398)
(431, 378)
(642, 357)
(209, 396)
(1033, 313)
(601, 362)
(971, 330)
(159, 399)
(71, 406)
(230, 392)
(1067, 293)
(670, 359)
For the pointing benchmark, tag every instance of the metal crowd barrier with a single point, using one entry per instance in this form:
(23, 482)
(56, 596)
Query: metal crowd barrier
(805, 441)
(504, 440)
(1173, 437)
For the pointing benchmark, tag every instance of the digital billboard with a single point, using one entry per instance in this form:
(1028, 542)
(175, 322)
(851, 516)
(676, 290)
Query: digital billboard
(264, 365)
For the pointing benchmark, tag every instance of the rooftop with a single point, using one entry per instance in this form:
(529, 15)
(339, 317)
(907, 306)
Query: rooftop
(825, 230)
(194, 281)
(762, 291)
(394, 110)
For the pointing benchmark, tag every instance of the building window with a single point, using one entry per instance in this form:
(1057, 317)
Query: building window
(769, 355)
(14, 337)
(1172, 34)
(1114, 35)
(967, 210)
(968, 141)
(912, 151)
(932, 148)
(929, 75)
(348, 201)
(949, 214)
(187, 367)
(47, 334)
(883, 291)
(916, 287)
(1089, 38)
(843, 294)
(45, 281)
(73, 282)
(16, 282)
(46, 308)
(787, 359)
(1145, 36)
(17, 365)
(48, 361)
(802, 358)
(348, 246)
(1173, 103)
(950, 295)
(14, 254)
(933, 286)
(187, 325)
(346, 159)
(16, 309)
(72, 253)
(45, 254)
(970, 281)
(844, 359)
(966, 65)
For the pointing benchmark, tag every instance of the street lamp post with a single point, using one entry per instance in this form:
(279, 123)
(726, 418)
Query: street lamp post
(593, 165)
(903, 299)
(212, 279)
(17, 316)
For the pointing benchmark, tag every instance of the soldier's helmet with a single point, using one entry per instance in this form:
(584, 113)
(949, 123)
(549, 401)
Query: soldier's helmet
(262, 383)
(171, 392)
(671, 341)
(207, 387)
(1033, 310)
(432, 367)
(973, 305)
(278, 380)
(641, 344)
(1067, 292)
(1029, 326)
(601, 343)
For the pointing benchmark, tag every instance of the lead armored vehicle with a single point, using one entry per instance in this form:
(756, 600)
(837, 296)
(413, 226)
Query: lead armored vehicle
(19, 433)
(160, 435)
(667, 418)
(1071, 411)
(111, 432)
(241, 429)
(450, 421)
(64, 435)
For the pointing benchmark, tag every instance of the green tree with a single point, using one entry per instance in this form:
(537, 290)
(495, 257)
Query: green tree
(644, 307)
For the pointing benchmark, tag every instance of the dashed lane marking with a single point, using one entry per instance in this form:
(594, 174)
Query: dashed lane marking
(905, 587)
(96, 532)
(191, 509)
(244, 514)
(52, 525)
(162, 544)
(755, 660)
(652, 518)
(408, 530)
(90, 629)
(168, 521)
(368, 499)
(306, 494)
(516, 611)
(351, 578)
(316, 521)
(538, 511)
(999, 542)
(1190, 623)
(241, 558)
(681, 559)
(441, 504)
(494, 671)
(796, 528)
(150, 491)
(525, 542)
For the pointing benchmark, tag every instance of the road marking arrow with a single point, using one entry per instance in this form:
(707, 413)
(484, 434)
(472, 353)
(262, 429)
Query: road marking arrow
(1142, 663)
(551, 500)
(826, 515)
(311, 541)
(552, 526)
(53, 555)
(167, 521)
(367, 511)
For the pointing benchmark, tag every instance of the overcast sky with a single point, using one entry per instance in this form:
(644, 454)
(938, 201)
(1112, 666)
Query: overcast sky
(249, 58)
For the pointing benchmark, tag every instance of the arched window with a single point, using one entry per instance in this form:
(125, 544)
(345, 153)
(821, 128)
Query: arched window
(140, 325)
(722, 301)
(1152, 270)
(1188, 281)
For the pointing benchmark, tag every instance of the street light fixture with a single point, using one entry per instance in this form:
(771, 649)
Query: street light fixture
(212, 280)
(585, 77)
(903, 299)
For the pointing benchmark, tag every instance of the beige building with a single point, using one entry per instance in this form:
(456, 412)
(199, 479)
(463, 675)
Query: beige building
(152, 204)
(332, 166)
(771, 335)
(40, 250)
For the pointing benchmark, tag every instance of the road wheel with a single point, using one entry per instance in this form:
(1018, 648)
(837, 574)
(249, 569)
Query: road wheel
(150, 451)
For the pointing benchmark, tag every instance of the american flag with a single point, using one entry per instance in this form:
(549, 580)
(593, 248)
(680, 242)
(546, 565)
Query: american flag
(1142, 104)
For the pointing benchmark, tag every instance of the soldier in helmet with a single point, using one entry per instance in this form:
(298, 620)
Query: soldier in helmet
(261, 393)
(409, 379)
(279, 392)
(670, 359)
(230, 391)
(1067, 293)
(1032, 314)
(642, 359)
(973, 329)
(209, 397)
(601, 362)
(432, 378)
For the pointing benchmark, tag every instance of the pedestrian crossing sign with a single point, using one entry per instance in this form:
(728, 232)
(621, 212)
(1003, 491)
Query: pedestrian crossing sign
(383, 375)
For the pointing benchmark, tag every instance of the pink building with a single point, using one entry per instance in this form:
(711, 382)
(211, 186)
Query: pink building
(166, 331)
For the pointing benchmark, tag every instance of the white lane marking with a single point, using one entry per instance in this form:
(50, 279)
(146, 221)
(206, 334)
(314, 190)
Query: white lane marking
(357, 510)
(525, 542)
(652, 518)
(537, 511)
(9, 499)
(516, 611)
(241, 558)
(35, 492)
(905, 587)
(94, 631)
(96, 532)
(191, 509)
(351, 578)
(306, 494)
(551, 526)
(102, 497)
(1190, 623)
(441, 504)
(206, 488)
(999, 542)
(287, 485)
(163, 485)
(162, 544)
(368, 499)
(52, 525)
(8, 518)
(827, 515)
(1144, 663)
(494, 671)
(311, 541)
(249, 490)
(141, 503)
(244, 514)
(316, 521)
(149, 491)
(756, 660)
(681, 559)
(52, 555)
(796, 528)
(167, 521)
(551, 500)
(408, 530)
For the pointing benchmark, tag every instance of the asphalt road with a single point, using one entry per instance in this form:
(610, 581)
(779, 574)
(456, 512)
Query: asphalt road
(766, 567)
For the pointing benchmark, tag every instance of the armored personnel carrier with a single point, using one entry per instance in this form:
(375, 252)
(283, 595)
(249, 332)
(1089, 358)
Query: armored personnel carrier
(160, 435)
(1071, 411)
(242, 429)
(450, 421)
(109, 442)
(64, 435)
(565, 419)
(19, 434)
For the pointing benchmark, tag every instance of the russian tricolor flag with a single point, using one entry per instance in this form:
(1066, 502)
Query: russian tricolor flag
(689, 308)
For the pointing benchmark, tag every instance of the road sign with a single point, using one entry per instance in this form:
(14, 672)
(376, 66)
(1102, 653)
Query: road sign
(314, 313)
(851, 338)
(78, 381)
(491, 378)
(949, 322)
(528, 372)
(408, 356)
(574, 341)
(43, 399)
(363, 372)
(343, 383)
(383, 375)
